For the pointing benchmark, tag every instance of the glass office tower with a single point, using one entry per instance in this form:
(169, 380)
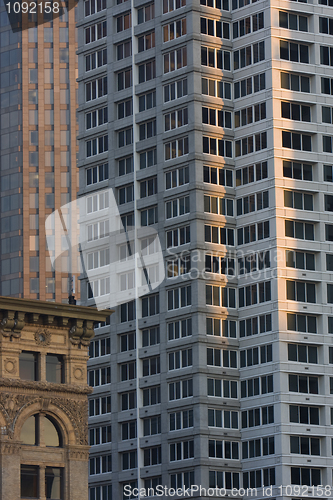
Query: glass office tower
(38, 148)
(211, 121)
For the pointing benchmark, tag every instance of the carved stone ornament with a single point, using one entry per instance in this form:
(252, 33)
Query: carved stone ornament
(42, 337)
(10, 365)
(12, 324)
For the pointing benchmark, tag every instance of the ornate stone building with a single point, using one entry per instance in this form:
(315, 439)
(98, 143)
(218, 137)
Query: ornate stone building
(43, 399)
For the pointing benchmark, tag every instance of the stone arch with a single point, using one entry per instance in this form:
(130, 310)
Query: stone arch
(66, 426)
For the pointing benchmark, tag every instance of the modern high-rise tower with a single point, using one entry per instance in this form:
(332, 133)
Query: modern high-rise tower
(211, 121)
(38, 95)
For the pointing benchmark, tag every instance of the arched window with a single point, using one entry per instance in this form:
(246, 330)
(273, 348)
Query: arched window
(40, 430)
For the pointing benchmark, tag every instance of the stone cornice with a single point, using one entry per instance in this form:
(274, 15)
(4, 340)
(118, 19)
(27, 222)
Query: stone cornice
(44, 386)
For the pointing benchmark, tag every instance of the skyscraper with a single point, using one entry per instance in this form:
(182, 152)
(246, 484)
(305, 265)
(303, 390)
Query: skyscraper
(211, 122)
(38, 148)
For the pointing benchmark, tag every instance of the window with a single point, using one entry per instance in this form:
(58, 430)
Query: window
(174, 30)
(175, 119)
(96, 59)
(292, 21)
(251, 54)
(298, 200)
(303, 353)
(259, 477)
(328, 232)
(147, 101)
(178, 236)
(101, 347)
(152, 456)
(128, 371)
(98, 230)
(128, 460)
(300, 260)
(148, 158)
(181, 450)
(305, 476)
(103, 492)
(149, 216)
(128, 430)
(179, 329)
(252, 173)
(180, 359)
(304, 414)
(219, 479)
(294, 82)
(329, 294)
(176, 59)
(294, 52)
(128, 400)
(248, 145)
(300, 230)
(124, 79)
(304, 384)
(221, 328)
(151, 366)
(125, 108)
(218, 176)
(124, 22)
(256, 386)
(151, 336)
(223, 449)
(146, 13)
(215, 58)
(253, 262)
(170, 5)
(293, 140)
(296, 170)
(176, 148)
(100, 435)
(219, 147)
(258, 447)
(29, 481)
(150, 305)
(148, 187)
(179, 297)
(245, 26)
(181, 389)
(97, 146)
(152, 426)
(326, 56)
(178, 266)
(93, 6)
(248, 234)
(181, 420)
(147, 71)
(175, 90)
(216, 117)
(177, 207)
(298, 112)
(221, 357)
(221, 235)
(177, 177)
(98, 288)
(222, 388)
(215, 28)
(125, 137)
(219, 265)
(326, 85)
(96, 88)
(223, 418)
(99, 406)
(127, 311)
(301, 323)
(216, 88)
(251, 114)
(301, 291)
(97, 174)
(258, 416)
(55, 368)
(249, 85)
(327, 144)
(100, 376)
(28, 365)
(152, 396)
(255, 355)
(254, 294)
(147, 130)
(217, 4)
(34, 425)
(221, 206)
(146, 41)
(95, 32)
(251, 203)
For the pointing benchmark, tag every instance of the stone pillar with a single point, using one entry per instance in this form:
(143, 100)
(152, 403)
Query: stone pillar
(78, 472)
(10, 470)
